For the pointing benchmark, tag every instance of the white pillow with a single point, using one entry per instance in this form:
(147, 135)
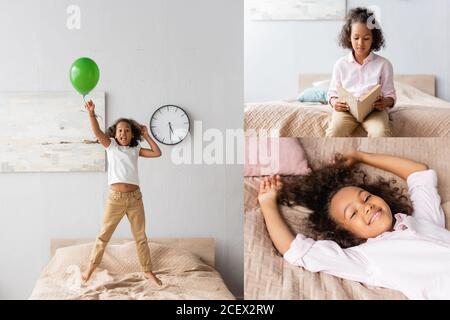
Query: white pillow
(322, 83)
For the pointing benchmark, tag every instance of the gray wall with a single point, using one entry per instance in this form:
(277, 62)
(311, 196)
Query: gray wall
(150, 53)
(417, 35)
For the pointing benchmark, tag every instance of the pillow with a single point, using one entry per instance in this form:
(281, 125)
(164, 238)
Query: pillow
(270, 156)
(313, 94)
(322, 84)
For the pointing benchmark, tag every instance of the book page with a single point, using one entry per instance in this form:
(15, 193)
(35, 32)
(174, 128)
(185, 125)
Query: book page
(359, 107)
(345, 96)
(365, 103)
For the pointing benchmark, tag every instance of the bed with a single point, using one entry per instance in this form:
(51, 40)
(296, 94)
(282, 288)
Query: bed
(184, 265)
(268, 276)
(417, 113)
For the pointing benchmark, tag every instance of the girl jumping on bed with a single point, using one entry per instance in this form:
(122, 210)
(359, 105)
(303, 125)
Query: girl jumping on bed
(124, 197)
(358, 73)
(366, 230)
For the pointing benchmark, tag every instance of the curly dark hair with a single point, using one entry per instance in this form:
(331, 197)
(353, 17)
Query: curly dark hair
(135, 129)
(314, 191)
(361, 15)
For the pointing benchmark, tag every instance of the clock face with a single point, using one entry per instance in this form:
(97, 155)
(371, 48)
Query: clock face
(169, 124)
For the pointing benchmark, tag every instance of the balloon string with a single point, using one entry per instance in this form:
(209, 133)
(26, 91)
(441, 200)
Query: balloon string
(96, 115)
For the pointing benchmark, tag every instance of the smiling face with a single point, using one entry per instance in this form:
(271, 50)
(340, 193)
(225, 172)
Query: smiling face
(361, 213)
(123, 133)
(361, 38)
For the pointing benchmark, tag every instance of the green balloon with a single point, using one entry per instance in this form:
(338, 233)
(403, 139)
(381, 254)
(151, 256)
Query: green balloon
(84, 75)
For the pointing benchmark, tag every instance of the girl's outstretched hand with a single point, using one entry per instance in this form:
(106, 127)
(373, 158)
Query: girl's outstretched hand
(90, 106)
(269, 188)
(348, 159)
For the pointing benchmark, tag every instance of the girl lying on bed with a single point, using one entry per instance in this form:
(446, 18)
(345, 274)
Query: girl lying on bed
(368, 232)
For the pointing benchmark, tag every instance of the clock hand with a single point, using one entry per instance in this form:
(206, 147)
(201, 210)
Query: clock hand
(170, 132)
(170, 127)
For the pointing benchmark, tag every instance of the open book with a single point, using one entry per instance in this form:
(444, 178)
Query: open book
(360, 107)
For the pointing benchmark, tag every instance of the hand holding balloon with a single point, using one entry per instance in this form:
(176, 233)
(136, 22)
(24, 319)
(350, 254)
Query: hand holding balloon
(84, 75)
(90, 107)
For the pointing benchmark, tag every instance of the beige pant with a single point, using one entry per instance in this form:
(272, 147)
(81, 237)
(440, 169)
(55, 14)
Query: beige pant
(117, 205)
(342, 124)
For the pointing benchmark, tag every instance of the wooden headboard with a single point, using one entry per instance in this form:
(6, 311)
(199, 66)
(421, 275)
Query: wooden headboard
(201, 247)
(423, 82)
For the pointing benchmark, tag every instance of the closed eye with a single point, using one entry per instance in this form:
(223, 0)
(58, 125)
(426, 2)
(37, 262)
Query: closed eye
(353, 214)
(367, 198)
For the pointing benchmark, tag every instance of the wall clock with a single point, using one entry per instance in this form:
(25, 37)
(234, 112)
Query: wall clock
(169, 124)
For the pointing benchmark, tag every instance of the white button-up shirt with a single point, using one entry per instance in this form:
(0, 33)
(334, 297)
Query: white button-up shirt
(359, 79)
(413, 258)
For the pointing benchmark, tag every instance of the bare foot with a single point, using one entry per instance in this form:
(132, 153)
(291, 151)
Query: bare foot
(87, 274)
(150, 276)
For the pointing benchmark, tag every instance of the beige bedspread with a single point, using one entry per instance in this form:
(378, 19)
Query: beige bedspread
(184, 275)
(416, 114)
(268, 276)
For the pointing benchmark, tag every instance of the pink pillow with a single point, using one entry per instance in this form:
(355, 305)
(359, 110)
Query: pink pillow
(268, 156)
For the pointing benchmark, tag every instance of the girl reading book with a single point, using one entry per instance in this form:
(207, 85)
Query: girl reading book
(358, 73)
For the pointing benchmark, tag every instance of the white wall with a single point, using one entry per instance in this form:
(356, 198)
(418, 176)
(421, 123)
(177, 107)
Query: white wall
(417, 36)
(150, 53)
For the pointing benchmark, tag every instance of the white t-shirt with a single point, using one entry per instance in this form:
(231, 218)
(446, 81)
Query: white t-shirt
(122, 163)
(414, 258)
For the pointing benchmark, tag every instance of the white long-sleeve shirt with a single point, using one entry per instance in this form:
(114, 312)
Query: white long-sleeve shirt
(414, 258)
(360, 79)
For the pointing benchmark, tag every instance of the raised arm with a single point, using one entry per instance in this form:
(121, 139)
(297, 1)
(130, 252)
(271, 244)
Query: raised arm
(399, 166)
(101, 136)
(279, 231)
(154, 151)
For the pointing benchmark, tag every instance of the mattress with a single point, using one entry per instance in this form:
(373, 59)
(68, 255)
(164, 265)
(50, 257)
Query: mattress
(184, 276)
